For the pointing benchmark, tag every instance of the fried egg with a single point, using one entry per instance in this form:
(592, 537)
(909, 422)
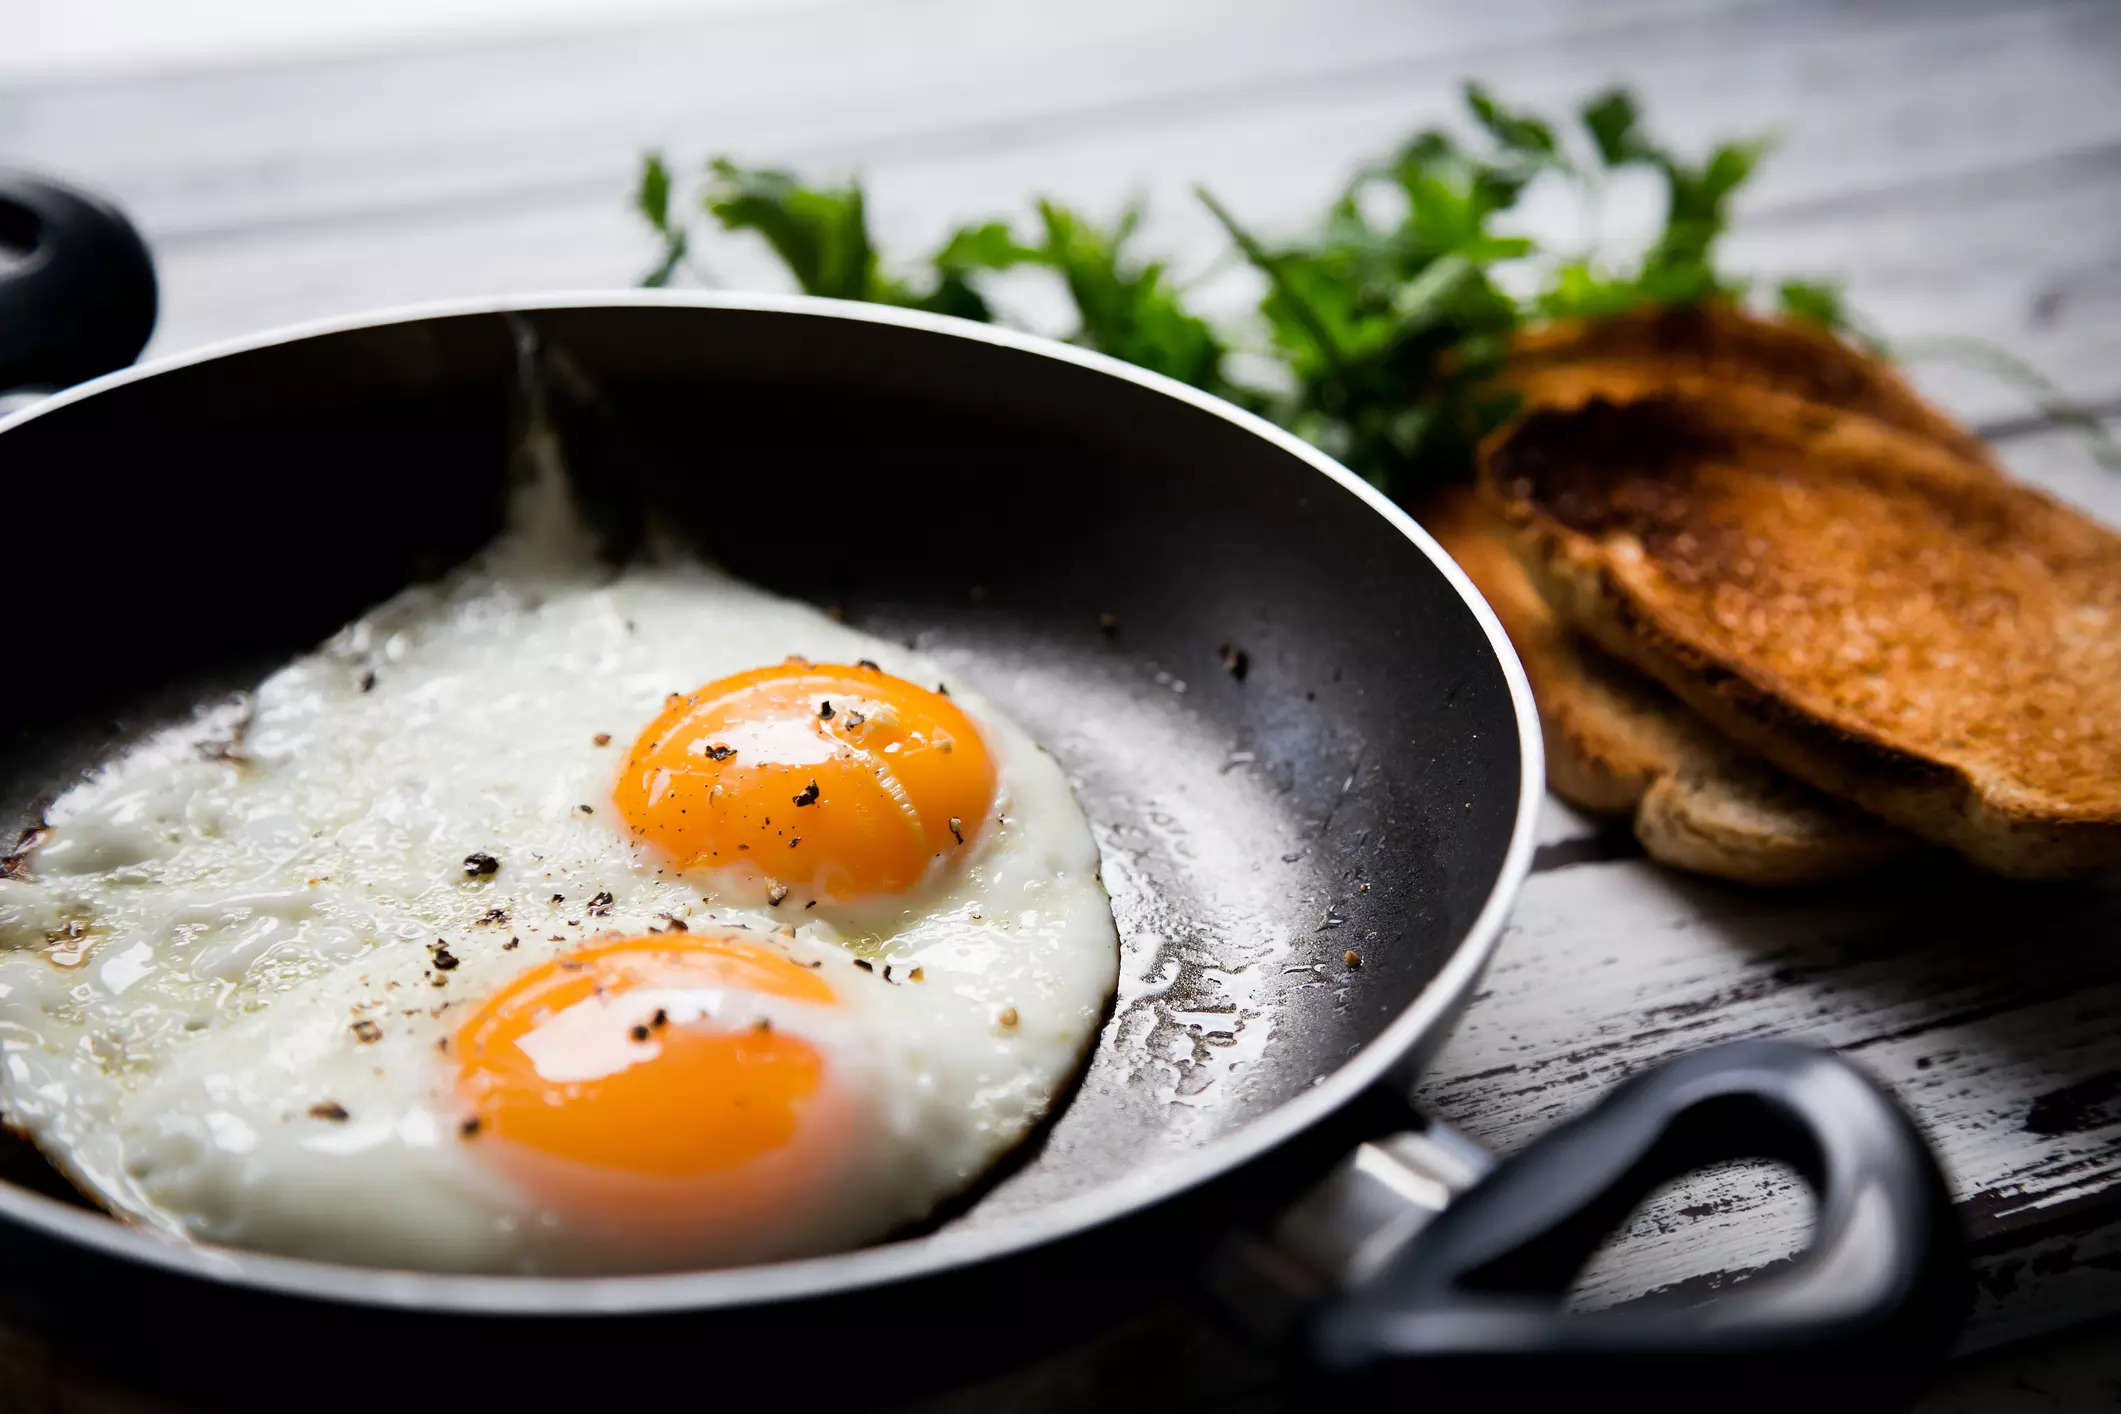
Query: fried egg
(557, 919)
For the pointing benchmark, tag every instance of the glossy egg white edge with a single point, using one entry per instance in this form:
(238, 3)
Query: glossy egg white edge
(184, 959)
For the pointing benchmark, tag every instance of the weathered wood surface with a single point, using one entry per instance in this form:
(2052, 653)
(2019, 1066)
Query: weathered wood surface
(1959, 163)
(1977, 200)
(1993, 1009)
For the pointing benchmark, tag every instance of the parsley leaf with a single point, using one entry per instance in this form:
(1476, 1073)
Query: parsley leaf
(652, 199)
(1679, 266)
(1610, 120)
(1389, 330)
(1128, 308)
(1818, 301)
(1518, 132)
(820, 233)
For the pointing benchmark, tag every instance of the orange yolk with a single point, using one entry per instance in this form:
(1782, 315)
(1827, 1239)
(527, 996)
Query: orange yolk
(837, 782)
(613, 1056)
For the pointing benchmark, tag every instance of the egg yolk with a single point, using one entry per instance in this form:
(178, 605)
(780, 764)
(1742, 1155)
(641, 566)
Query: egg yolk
(645, 1055)
(833, 782)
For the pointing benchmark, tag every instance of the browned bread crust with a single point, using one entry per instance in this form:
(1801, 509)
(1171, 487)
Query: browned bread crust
(1617, 743)
(1882, 617)
(1559, 364)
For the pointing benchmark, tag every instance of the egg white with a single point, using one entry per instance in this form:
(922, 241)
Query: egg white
(186, 953)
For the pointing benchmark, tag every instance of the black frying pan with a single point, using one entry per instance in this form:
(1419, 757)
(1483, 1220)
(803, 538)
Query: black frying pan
(1356, 772)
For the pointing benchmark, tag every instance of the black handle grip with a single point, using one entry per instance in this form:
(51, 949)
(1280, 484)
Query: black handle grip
(77, 288)
(1476, 1300)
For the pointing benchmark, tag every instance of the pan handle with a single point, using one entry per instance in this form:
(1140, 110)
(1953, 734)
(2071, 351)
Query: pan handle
(1476, 1298)
(77, 288)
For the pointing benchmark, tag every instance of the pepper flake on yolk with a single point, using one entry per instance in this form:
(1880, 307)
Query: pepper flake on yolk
(836, 782)
(645, 1056)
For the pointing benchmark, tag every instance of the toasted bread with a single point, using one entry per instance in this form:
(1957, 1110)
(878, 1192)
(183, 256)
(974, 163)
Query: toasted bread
(1617, 743)
(1562, 363)
(1876, 614)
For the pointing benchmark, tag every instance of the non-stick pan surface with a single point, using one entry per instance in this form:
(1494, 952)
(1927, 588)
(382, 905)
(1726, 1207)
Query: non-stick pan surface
(1307, 750)
(1301, 738)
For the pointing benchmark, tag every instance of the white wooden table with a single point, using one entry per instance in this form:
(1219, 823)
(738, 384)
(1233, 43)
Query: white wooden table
(1958, 163)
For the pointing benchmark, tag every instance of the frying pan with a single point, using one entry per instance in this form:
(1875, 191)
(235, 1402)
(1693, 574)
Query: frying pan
(1309, 752)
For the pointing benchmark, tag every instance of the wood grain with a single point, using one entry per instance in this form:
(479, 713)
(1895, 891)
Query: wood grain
(1959, 163)
(1992, 1009)
(1973, 202)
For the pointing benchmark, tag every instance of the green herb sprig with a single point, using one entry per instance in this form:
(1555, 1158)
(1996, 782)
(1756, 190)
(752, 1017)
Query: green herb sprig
(1387, 331)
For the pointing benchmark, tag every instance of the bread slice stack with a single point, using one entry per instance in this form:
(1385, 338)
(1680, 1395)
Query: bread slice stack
(1787, 616)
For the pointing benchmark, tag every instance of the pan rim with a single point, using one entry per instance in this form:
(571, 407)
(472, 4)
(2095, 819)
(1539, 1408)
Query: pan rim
(1431, 1009)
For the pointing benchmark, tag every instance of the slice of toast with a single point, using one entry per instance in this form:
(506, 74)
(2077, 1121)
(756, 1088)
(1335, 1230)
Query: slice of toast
(1882, 617)
(1617, 743)
(1560, 364)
